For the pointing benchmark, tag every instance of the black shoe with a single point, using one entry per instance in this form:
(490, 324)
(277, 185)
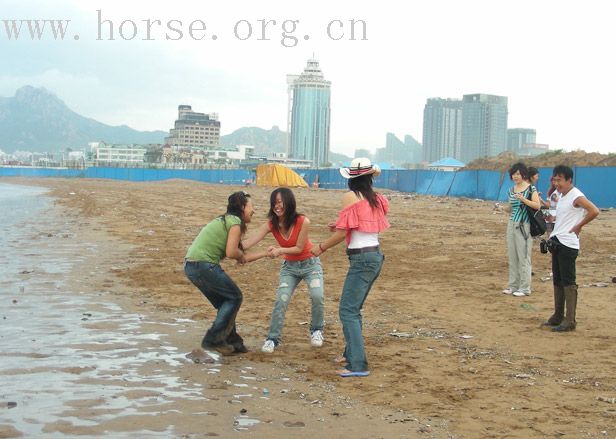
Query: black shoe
(239, 348)
(564, 327)
(553, 321)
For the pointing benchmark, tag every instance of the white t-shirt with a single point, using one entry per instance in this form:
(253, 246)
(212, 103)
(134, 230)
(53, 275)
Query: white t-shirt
(567, 216)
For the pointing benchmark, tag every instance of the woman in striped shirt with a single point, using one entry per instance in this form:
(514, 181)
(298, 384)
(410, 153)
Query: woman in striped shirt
(519, 242)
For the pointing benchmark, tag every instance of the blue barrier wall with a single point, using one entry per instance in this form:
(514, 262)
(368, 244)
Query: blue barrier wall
(597, 183)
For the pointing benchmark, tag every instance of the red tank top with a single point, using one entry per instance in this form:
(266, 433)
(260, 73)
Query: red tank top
(292, 241)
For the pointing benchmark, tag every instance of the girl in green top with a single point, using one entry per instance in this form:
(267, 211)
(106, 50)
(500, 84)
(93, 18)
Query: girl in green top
(219, 239)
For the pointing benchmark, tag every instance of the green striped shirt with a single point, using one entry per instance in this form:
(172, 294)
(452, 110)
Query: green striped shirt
(519, 212)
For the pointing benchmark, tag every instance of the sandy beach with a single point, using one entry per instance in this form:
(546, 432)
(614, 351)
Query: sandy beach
(450, 355)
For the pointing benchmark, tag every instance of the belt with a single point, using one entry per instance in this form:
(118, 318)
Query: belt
(355, 251)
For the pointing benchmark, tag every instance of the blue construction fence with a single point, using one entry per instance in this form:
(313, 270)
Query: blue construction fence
(597, 183)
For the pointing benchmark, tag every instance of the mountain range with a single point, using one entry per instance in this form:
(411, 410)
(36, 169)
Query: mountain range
(36, 120)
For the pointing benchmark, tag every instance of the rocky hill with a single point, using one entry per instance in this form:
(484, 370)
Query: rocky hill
(37, 120)
(266, 142)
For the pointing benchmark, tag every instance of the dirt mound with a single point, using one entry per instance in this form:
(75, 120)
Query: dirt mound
(504, 160)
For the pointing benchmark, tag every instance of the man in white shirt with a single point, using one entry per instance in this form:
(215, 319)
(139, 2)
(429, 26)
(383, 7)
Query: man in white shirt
(573, 212)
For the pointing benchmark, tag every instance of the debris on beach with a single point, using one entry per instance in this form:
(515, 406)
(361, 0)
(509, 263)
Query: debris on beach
(200, 356)
(596, 284)
(401, 334)
(524, 376)
(608, 400)
(293, 424)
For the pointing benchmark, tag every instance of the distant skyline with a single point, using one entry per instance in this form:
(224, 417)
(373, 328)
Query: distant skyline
(551, 59)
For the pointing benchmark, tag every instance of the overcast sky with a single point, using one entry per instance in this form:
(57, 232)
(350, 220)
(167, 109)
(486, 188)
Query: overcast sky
(553, 60)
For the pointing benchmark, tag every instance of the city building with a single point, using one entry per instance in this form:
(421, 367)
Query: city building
(194, 130)
(279, 158)
(103, 153)
(309, 115)
(484, 126)
(518, 137)
(397, 152)
(530, 149)
(442, 129)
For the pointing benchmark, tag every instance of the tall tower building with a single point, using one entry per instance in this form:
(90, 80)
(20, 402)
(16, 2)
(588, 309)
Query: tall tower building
(442, 129)
(309, 115)
(484, 126)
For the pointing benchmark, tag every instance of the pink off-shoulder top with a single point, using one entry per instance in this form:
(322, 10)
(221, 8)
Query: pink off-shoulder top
(362, 217)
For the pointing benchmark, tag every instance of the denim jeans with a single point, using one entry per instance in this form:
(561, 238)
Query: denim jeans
(563, 264)
(223, 294)
(364, 268)
(291, 273)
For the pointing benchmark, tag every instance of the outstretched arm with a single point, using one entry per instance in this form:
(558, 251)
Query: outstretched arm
(336, 238)
(256, 236)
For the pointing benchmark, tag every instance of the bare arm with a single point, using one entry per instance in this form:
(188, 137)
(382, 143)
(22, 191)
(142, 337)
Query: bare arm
(253, 256)
(256, 236)
(533, 203)
(233, 250)
(591, 213)
(336, 238)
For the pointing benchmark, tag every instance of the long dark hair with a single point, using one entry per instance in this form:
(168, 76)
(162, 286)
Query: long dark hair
(235, 206)
(363, 185)
(290, 206)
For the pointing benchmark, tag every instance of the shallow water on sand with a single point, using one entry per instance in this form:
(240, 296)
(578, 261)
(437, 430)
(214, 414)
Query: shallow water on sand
(62, 350)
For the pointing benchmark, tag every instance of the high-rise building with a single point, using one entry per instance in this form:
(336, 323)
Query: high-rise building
(194, 130)
(309, 115)
(442, 129)
(518, 137)
(397, 152)
(484, 126)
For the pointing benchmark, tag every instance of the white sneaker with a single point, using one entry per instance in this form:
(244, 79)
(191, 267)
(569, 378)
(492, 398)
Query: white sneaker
(521, 293)
(507, 291)
(268, 347)
(316, 339)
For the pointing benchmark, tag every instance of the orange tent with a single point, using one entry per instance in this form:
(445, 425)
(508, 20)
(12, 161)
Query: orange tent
(278, 175)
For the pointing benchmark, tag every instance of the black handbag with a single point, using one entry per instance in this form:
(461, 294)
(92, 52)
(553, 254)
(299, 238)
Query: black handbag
(538, 225)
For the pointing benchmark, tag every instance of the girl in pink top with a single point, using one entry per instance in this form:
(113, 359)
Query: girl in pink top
(360, 221)
(290, 229)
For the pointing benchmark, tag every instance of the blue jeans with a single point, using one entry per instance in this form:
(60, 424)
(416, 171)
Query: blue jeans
(223, 294)
(364, 268)
(291, 273)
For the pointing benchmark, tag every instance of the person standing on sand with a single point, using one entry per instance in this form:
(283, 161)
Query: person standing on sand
(219, 239)
(519, 241)
(290, 229)
(360, 221)
(573, 212)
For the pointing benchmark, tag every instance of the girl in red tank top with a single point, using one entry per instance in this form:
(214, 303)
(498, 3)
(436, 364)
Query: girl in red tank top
(290, 229)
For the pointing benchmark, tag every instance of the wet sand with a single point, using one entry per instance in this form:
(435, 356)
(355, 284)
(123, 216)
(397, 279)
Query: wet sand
(449, 354)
